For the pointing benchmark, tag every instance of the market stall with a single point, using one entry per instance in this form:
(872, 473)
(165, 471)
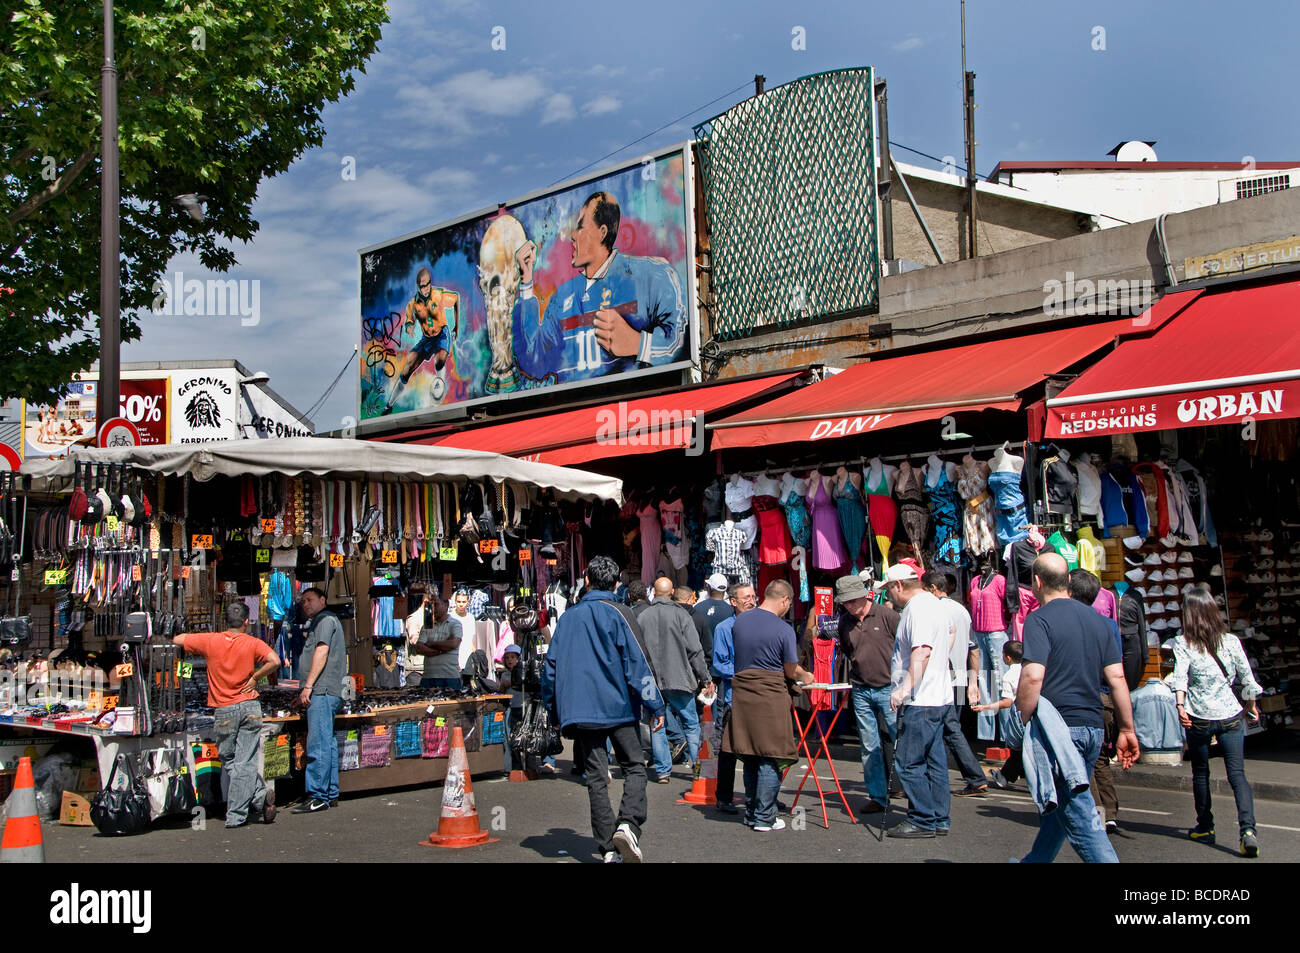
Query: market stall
(127, 547)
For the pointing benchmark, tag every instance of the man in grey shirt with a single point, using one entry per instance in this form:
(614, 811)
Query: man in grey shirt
(440, 646)
(672, 647)
(326, 657)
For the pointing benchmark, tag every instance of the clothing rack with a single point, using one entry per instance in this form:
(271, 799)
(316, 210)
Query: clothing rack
(859, 461)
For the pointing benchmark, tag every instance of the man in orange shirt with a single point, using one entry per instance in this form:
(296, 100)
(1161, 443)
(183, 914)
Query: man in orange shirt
(233, 674)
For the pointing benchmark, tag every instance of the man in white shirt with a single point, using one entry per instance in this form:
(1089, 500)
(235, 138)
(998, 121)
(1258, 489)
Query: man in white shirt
(922, 695)
(460, 616)
(963, 658)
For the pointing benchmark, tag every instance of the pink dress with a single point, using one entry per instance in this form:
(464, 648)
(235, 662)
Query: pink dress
(827, 542)
(652, 538)
(987, 609)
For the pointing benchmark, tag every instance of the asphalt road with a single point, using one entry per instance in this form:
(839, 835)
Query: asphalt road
(548, 821)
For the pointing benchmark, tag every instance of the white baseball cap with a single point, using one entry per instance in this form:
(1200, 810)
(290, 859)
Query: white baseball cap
(717, 582)
(896, 573)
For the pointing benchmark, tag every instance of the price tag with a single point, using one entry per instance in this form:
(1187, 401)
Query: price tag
(125, 670)
(282, 741)
(525, 555)
(203, 541)
(488, 546)
(525, 590)
(56, 577)
(381, 729)
(185, 572)
(14, 574)
(136, 576)
(262, 555)
(551, 562)
(94, 701)
(268, 526)
(336, 560)
(440, 722)
(184, 670)
(447, 554)
(388, 556)
(110, 523)
(110, 702)
(499, 716)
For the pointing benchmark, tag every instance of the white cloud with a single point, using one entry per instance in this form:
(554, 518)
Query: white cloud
(602, 105)
(448, 179)
(913, 42)
(559, 108)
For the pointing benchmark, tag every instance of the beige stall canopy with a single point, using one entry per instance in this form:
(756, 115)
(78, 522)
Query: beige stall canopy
(339, 460)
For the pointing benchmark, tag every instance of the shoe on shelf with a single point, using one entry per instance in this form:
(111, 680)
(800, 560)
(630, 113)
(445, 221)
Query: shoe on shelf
(1202, 835)
(973, 790)
(1249, 843)
(909, 831)
(626, 845)
(776, 825)
(314, 806)
(611, 857)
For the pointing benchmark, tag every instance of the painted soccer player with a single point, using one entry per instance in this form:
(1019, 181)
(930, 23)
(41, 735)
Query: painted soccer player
(622, 312)
(437, 312)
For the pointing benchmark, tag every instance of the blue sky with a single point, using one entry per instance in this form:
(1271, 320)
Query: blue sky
(443, 124)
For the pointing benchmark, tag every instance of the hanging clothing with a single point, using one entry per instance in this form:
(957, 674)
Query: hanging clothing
(727, 546)
(910, 493)
(987, 599)
(279, 598)
(1028, 603)
(1182, 522)
(1105, 604)
(1149, 490)
(651, 539)
(947, 523)
(388, 673)
(774, 543)
(672, 516)
(1008, 506)
(977, 514)
(1089, 486)
(852, 512)
(823, 671)
(1068, 551)
(1112, 504)
(1198, 499)
(827, 544)
(882, 511)
(796, 517)
(1062, 484)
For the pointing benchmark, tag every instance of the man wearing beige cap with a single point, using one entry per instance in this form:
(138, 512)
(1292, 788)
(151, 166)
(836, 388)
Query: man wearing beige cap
(866, 639)
(921, 695)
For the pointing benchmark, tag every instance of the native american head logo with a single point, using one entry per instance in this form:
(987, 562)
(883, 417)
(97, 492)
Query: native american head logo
(202, 411)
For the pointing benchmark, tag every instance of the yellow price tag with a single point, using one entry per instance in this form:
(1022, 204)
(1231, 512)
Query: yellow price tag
(125, 670)
(440, 722)
(110, 523)
(110, 702)
(135, 574)
(336, 560)
(263, 555)
(447, 554)
(525, 590)
(388, 556)
(184, 670)
(94, 701)
(56, 577)
(381, 729)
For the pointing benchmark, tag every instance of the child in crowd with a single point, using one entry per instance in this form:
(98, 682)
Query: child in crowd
(512, 681)
(1005, 706)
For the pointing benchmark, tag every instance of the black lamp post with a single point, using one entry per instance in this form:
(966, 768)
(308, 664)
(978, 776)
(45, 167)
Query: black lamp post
(110, 330)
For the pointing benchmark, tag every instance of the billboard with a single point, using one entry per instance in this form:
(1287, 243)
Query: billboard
(583, 283)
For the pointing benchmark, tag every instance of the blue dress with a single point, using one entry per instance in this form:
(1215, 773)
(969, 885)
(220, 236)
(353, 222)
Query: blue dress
(947, 522)
(852, 511)
(1008, 507)
(796, 516)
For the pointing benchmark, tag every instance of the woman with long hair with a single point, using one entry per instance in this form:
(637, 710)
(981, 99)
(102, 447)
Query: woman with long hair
(1208, 660)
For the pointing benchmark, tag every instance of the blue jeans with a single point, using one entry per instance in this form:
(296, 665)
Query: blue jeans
(1232, 737)
(322, 774)
(762, 784)
(1076, 816)
(992, 668)
(921, 760)
(683, 703)
(867, 704)
(239, 734)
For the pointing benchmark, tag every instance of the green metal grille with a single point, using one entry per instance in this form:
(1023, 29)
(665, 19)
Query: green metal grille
(790, 190)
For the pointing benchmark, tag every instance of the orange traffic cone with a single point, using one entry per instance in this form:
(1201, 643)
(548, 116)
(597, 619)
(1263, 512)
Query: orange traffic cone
(22, 842)
(458, 826)
(704, 789)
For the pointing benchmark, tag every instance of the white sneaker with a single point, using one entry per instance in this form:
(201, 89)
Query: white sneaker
(625, 842)
(612, 857)
(1169, 556)
(777, 825)
(1184, 557)
(1152, 560)
(1185, 573)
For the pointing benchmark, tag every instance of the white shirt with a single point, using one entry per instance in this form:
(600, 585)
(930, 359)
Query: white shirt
(1011, 681)
(466, 623)
(923, 622)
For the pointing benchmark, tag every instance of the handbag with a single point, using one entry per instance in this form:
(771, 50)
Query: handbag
(1233, 685)
(121, 810)
(180, 797)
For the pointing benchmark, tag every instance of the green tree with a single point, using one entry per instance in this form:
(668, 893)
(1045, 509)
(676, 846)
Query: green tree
(213, 98)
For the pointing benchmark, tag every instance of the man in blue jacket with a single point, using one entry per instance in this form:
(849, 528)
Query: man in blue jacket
(596, 681)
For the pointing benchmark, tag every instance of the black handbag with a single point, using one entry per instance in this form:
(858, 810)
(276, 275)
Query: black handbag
(121, 810)
(180, 797)
(16, 630)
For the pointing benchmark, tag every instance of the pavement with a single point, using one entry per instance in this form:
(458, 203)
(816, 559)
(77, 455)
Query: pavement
(547, 821)
(1272, 767)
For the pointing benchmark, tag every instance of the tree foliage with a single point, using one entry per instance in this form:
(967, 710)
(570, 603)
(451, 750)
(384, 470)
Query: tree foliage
(213, 98)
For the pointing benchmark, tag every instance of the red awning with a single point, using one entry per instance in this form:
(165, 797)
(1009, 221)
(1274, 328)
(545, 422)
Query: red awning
(644, 425)
(894, 391)
(1227, 356)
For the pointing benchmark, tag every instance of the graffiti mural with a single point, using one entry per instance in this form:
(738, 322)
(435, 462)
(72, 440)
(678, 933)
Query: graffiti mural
(576, 285)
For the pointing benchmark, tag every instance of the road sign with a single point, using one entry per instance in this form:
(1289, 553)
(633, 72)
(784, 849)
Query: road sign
(119, 432)
(9, 459)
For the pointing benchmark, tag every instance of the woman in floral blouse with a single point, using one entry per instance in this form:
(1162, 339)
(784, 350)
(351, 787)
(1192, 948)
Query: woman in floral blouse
(1207, 662)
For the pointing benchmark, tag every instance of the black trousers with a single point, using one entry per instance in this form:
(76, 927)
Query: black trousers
(589, 751)
(726, 790)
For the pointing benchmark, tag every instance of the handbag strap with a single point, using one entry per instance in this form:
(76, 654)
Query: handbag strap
(1219, 662)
